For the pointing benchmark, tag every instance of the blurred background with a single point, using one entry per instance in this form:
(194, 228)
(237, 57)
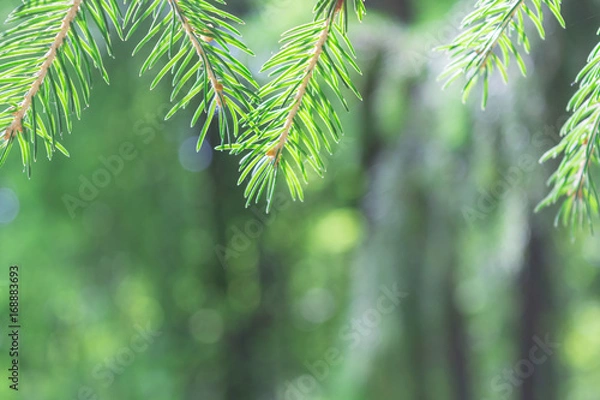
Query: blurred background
(416, 269)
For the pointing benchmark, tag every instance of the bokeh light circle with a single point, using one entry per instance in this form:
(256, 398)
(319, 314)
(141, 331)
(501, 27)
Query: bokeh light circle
(9, 205)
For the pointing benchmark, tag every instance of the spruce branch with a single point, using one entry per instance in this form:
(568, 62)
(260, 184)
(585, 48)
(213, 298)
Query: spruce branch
(189, 31)
(296, 119)
(45, 70)
(16, 125)
(197, 41)
(487, 41)
(275, 152)
(572, 182)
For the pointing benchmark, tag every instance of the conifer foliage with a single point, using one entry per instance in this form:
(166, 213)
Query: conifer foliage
(48, 52)
(573, 181)
(296, 118)
(50, 49)
(46, 61)
(491, 37)
(196, 39)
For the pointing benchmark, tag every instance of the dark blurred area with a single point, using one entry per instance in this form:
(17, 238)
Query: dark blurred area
(416, 269)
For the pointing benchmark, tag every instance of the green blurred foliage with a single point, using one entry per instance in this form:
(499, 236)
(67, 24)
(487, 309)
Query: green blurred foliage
(423, 193)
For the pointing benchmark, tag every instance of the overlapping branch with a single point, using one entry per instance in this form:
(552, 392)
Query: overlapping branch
(46, 60)
(491, 36)
(296, 118)
(572, 182)
(197, 40)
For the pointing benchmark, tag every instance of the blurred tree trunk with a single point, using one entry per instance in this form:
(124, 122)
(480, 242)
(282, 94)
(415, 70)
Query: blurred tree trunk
(251, 372)
(536, 297)
(402, 9)
(247, 373)
(413, 315)
(540, 317)
(458, 342)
